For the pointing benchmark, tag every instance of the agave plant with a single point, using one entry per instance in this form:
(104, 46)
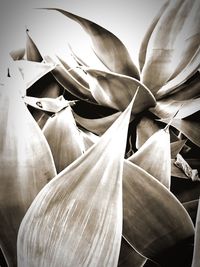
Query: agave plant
(125, 144)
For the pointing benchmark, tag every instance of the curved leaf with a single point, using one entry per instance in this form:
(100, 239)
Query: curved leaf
(108, 48)
(182, 77)
(158, 165)
(188, 127)
(167, 108)
(116, 90)
(147, 36)
(154, 220)
(189, 40)
(162, 45)
(63, 138)
(32, 52)
(26, 166)
(89, 232)
(33, 71)
(97, 126)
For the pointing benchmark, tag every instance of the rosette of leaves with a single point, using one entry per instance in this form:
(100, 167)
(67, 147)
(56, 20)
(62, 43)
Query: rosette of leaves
(167, 83)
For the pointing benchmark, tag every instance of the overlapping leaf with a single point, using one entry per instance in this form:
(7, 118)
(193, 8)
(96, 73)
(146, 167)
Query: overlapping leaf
(26, 166)
(158, 165)
(64, 139)
(154, 221)
(80, 211)
(108, 48)
(33, 71)
(116, 90)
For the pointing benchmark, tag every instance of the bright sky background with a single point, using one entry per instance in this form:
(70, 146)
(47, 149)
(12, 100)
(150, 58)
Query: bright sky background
(127, 19)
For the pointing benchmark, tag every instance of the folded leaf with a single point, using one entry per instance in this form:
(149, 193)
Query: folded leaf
(116, 90)
(32, 52)
(154, 156)
(33, 71)
(145, 128)
(147, 36)
(162, 45)
(80, 211)
(188, 127)
(53, 105)
(196, 256)
(63, 138)
(182, 77)
(154, 220)
(26, 166)
(108, 48)
(97, 126)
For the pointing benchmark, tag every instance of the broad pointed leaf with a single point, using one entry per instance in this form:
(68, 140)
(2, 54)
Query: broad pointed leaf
(154, 220)
(26, 165)
(116, 90)
(80, 211)
(108, 48)
(154, 156)
(32, 52)
(64, 139)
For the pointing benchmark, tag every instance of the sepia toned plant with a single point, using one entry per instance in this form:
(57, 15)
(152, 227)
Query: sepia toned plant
(99, 166)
